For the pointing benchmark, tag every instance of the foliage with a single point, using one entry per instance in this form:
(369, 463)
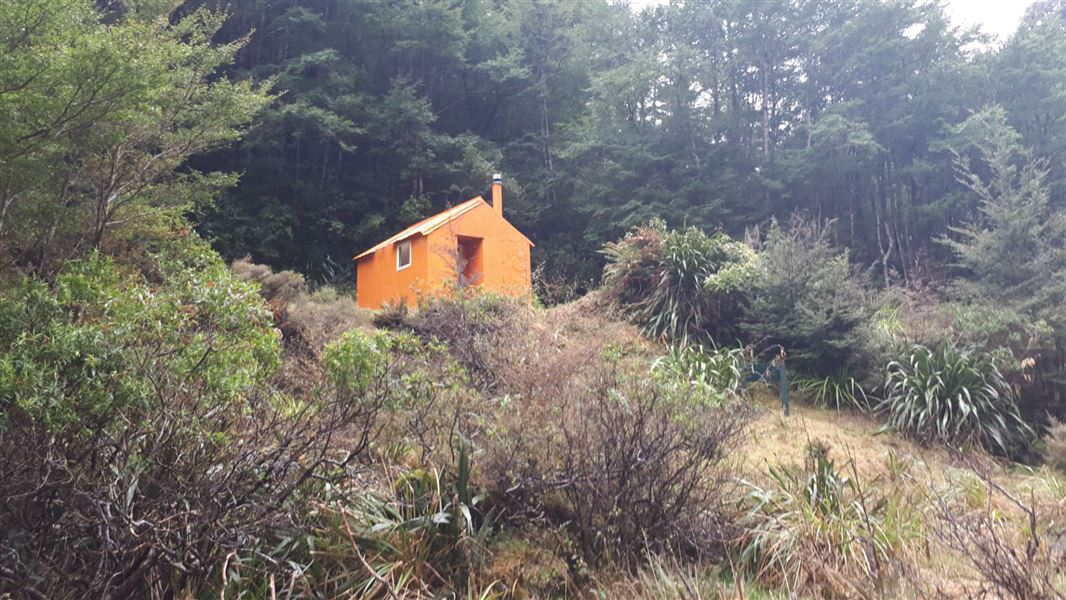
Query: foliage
(99, 342)
(1009, 255)
(681, 286)
(428, 535)
(807, 299)
(308, 319)
(955, 396)
(627, 466)
(92, 141)
(1017, 564)
(717, 375)
(819, 531)
(470, 326)
(837, 391)
(576, 435)
(1013, 246)
(142, 440)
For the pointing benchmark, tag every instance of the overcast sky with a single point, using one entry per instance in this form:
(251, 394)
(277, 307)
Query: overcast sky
(998, 17)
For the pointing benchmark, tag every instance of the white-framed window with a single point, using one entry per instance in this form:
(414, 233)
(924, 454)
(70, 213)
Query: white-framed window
(403, 255)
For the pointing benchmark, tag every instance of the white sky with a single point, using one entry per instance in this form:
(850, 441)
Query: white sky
(998, 17)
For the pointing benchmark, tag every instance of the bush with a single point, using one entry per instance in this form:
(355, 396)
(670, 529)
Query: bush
(1055, 444)
(954, 396)
(308, 320)
(641, 475)
(807, 299)
(629, 465)
(277, 288)
(820, 533)
(680, 286)
(142, 441)
(576, 434)
(391, 316)
(1008, 559)
(714, 375)
(471, 327)
(837, 391)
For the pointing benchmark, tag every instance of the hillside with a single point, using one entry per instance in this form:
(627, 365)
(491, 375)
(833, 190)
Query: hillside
(856, 194)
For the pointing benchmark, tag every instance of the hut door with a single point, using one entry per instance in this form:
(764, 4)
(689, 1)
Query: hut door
(472, 262)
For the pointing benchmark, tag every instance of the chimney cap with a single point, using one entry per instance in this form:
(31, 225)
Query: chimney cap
(497, 178)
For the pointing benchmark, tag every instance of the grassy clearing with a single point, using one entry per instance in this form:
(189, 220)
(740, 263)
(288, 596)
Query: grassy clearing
(934, 488)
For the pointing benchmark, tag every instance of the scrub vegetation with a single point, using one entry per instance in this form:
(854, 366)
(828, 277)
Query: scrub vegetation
(192, 405)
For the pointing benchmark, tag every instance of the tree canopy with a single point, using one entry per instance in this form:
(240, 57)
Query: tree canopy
(714, 113)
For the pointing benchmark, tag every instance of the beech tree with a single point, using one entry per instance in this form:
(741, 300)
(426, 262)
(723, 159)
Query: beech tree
(98, 118)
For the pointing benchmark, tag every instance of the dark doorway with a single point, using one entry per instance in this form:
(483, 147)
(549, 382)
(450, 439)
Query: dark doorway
(471, 260)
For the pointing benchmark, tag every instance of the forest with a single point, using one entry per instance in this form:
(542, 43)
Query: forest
(855, 204)
(713, 114)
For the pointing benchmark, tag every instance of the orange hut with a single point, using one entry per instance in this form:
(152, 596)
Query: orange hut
(470, 244)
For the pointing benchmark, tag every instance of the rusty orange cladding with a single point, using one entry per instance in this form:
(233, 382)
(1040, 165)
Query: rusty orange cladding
(472, 237)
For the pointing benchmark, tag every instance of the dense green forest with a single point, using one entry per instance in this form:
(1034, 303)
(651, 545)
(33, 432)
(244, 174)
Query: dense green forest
(717, 114)
(853, 204)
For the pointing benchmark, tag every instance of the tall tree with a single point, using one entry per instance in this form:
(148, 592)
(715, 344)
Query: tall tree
(93, 140)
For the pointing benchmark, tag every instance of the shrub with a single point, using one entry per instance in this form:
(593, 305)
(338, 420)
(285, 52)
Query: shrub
(142, 442)
(471, 326)
(679, 285)
(954, 396)
(1055, 444)
(308, 320)
(642, 477)
(634, 263)
(807, 299)
(576, 435)
(281, 287)
(429, 410)
(838, 391)
(1009, 559)
(818, 532)
(553, 288)
(626, 463)
(391, 316)
(715, 375)
(99, 341)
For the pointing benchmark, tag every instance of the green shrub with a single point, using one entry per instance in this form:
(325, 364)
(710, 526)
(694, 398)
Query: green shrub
(808, 299)
(681, 286)
(954, 396)
(99, 341)
(360, 360)
(713, 374)
(143, 442)
(837, 391)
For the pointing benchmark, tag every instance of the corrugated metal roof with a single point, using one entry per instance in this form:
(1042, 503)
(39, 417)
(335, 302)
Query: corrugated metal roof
(428, 225)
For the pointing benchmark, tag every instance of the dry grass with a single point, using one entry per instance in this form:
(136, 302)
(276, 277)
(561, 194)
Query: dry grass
(776, 439)
(972, 486)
